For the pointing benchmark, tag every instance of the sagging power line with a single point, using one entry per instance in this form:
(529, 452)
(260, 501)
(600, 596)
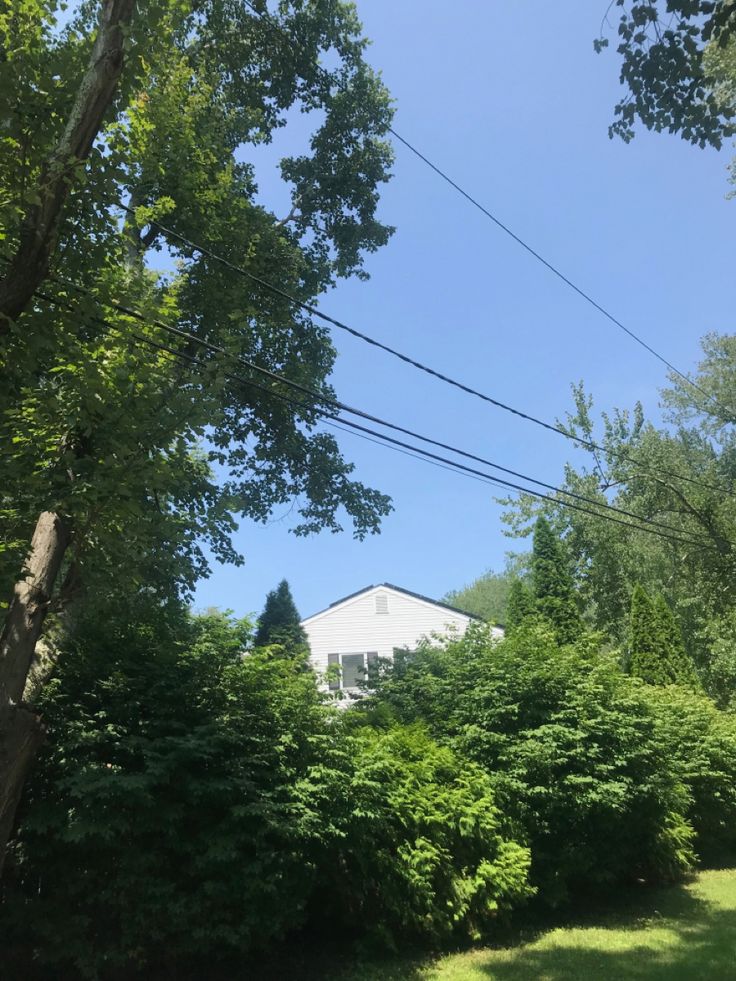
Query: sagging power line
(413, 362)
(326, 405)
(266, 18)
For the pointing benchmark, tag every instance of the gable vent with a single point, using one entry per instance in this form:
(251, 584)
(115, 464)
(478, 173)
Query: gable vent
(381, 603)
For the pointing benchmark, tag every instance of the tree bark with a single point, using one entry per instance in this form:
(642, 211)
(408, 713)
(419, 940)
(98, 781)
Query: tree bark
(21, 731)
(39, 229)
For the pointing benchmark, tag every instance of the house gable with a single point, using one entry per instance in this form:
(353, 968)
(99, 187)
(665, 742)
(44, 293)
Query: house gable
(379, 619)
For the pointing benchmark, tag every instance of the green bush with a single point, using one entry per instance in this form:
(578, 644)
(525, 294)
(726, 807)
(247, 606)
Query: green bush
(194, 805)
(701, 742)
(422, 854)
(572, 746)
(168, 816)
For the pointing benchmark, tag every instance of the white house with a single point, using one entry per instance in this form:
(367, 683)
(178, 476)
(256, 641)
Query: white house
(370, 624)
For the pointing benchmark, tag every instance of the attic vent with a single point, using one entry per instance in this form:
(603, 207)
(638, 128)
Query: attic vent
(381, 603)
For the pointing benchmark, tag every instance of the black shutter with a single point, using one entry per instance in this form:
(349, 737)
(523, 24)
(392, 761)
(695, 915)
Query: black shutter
(371, 659)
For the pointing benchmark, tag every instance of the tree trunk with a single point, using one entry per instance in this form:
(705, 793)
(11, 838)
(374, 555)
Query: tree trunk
(20, 728)
(39, 229)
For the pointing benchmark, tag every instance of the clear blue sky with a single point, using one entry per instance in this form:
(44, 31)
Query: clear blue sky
(509, 97)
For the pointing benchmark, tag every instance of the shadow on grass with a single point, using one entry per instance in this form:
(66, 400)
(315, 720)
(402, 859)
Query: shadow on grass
(641, 935)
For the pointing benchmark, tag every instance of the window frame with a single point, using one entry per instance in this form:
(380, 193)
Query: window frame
(336, 684)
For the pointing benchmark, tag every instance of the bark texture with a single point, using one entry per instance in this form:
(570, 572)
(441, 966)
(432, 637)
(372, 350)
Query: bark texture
(39, 230)
(21, 731)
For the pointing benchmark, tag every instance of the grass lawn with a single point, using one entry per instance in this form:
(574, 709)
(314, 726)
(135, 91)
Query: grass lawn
(678, 934)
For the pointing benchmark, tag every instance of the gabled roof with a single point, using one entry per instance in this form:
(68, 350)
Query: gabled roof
(396, 589)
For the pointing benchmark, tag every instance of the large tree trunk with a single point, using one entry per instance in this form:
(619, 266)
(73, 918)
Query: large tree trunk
(20, 728)
(40, 226)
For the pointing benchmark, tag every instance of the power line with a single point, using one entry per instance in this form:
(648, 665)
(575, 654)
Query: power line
(443, 462)
(266, 18)
(336, 406)
(344, 407)
(316, 312)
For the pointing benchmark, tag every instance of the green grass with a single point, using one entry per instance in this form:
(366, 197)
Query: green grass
(682, 933)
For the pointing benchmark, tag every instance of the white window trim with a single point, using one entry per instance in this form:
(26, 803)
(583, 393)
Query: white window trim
(351, 689)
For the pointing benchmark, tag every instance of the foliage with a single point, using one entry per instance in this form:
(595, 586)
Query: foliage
(571, 745)
(682, 475)
(174, 808)
(648, 658)
(486, 597)
(701, 745)
(664, 46)
(680, 663)
(424, 853)
(520, 604)
(552, 585)
(722, 661)
(194, 804)
(720, 64)
(280, 622)
(124, 439)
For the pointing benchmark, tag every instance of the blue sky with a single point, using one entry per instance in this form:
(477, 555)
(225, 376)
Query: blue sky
(509, 97)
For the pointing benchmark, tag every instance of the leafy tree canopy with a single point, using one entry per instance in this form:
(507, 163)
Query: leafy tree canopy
(664, 47)
(682, 474)
(487, 596)
(120, 437)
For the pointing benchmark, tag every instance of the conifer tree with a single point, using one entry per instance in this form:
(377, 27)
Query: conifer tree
(658, 653)
(280, 622)
(554, 593)
(645, 659)
(680, 665)
(520, 604)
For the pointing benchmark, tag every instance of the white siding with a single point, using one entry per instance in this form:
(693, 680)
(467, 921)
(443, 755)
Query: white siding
(355, 626)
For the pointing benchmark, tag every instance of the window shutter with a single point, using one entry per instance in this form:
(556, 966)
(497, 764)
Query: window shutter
(371, 662)
(334, 682)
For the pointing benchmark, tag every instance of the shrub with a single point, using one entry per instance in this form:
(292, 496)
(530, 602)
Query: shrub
(193, 804)
(572, 746)
(701, 743)
(422, 853)
(167, 816)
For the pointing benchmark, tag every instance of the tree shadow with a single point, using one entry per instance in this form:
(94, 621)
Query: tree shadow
(683, 936)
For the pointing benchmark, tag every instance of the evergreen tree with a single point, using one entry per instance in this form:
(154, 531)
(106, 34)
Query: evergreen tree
(520, 604)
(679, 662)
(280, 622)
(646, 646)
(658, 653)
(552, 584)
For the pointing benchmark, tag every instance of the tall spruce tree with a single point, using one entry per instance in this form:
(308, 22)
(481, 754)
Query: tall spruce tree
(520, 604)
(280, 622)
(552, 584)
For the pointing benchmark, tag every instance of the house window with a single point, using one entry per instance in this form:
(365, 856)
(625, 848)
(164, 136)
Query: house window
(381, 603)
(353, 669)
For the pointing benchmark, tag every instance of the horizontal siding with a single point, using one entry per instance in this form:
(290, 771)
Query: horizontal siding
(354, 627)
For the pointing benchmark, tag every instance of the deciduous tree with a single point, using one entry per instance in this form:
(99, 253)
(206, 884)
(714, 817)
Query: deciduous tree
(110, 429)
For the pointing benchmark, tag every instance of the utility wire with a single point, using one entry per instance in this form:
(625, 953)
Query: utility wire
(333, 321)
(426, 456)
(336, 406)
(266, 18)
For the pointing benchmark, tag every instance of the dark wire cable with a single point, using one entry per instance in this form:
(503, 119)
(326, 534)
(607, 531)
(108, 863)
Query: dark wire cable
(316, 312)
(266, 18)
(426, 456)
(336, 406)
